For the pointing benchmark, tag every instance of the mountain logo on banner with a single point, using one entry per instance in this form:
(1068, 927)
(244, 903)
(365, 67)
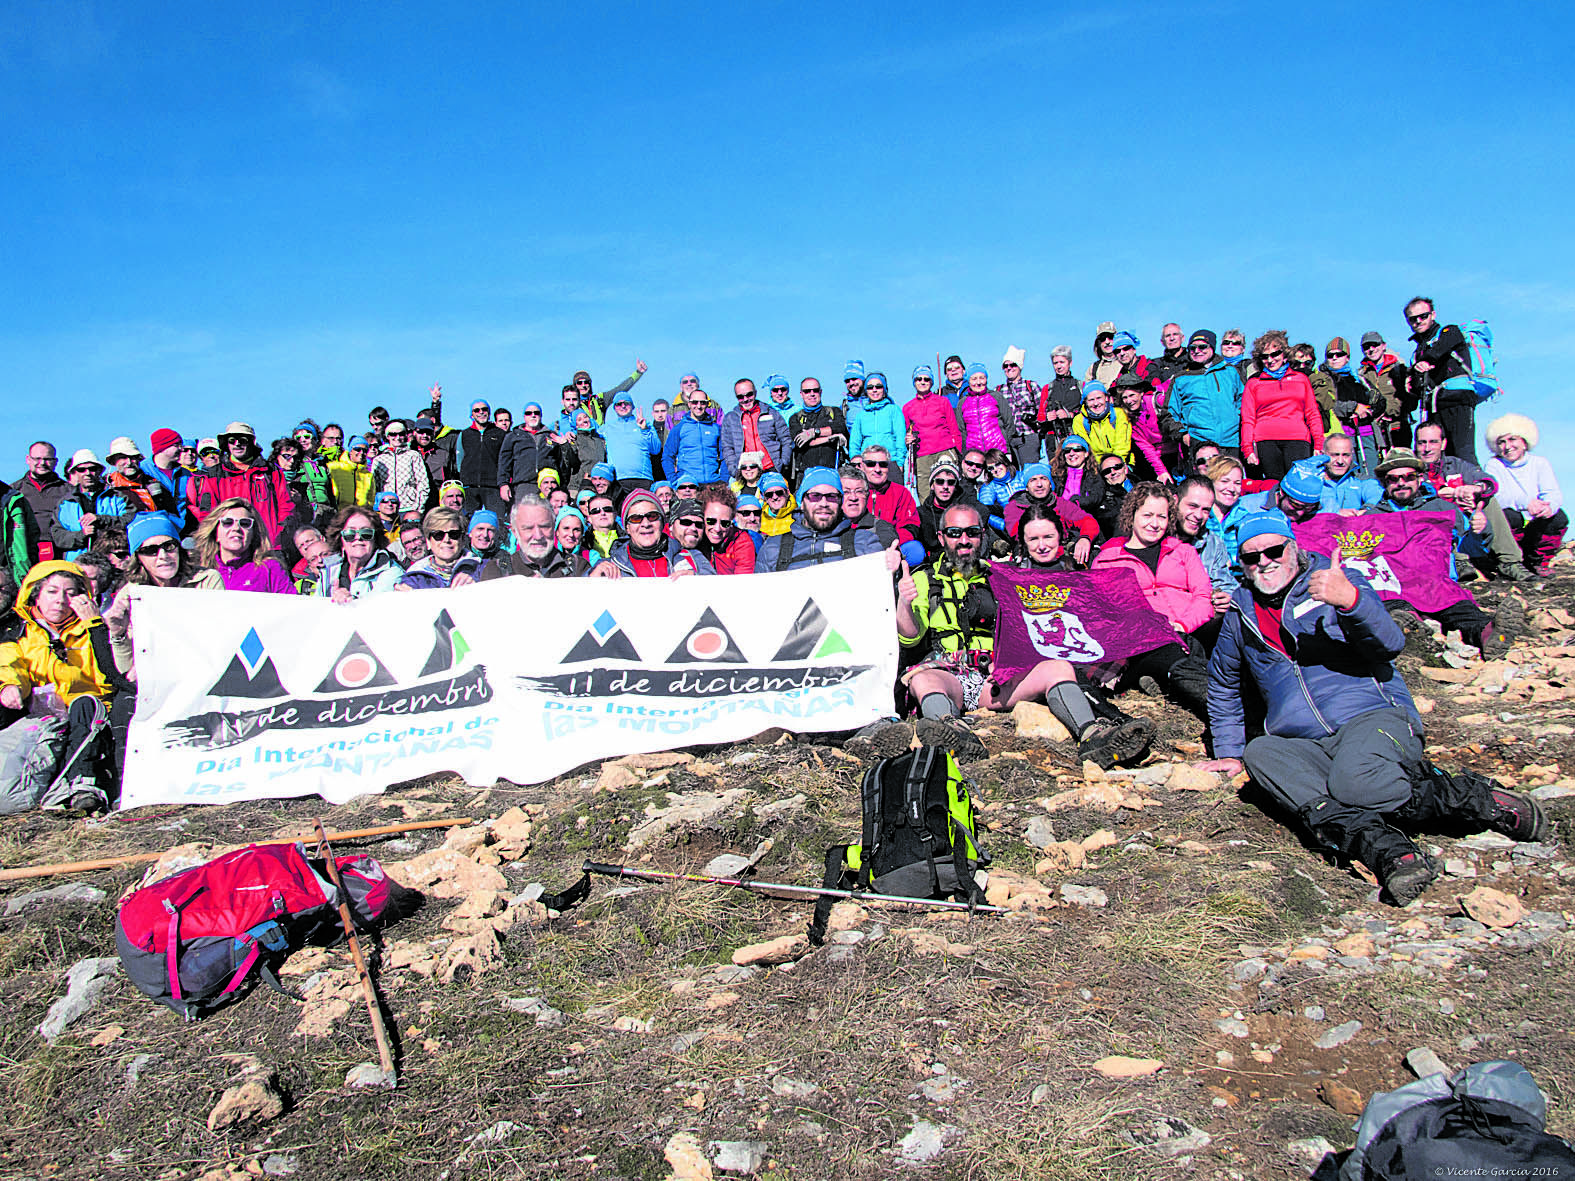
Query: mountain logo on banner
(448, 646)
(358, 667)
(250, 672)
(603, 640)
(811, 636)
(708, 640)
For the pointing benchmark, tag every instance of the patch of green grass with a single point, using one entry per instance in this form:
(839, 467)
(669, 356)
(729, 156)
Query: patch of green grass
(1067, 1141)
(1191, 939)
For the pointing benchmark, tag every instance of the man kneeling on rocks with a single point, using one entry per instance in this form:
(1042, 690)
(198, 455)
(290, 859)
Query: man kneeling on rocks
(1343, 747)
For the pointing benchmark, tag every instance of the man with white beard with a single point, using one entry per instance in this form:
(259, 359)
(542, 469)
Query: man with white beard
(536, 553)
(1343, 749)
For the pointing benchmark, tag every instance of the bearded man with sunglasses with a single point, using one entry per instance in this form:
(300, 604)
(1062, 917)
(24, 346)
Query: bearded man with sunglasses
(1343, 746)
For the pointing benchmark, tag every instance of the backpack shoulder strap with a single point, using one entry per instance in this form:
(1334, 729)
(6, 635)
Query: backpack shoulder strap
(784, 551)
(847, 541)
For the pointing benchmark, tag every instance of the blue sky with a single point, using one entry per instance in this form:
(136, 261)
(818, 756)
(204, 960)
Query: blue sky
(215, 213)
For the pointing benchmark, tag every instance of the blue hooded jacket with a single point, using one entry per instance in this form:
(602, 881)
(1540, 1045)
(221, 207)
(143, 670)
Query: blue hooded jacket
(1340, 665)
(694, 448)
(629, 447)
(1206, 403)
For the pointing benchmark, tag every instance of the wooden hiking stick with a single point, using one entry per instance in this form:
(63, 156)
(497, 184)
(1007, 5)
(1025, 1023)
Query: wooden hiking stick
(385, 1056)
(45, 871)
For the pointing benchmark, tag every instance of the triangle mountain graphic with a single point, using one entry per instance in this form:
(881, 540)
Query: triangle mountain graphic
(811, 636)
(709, 641)
(357, 667)
(603, 640)
(448, 646)
(250, 672)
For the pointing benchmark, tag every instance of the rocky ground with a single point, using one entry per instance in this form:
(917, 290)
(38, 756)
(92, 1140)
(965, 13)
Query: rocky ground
(1180, 984)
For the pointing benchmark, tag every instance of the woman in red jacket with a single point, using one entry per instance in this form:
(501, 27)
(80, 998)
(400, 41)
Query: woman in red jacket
(1280, 423)
(1172, 578)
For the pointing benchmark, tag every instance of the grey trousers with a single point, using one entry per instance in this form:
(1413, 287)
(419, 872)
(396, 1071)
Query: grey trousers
(1361, 765)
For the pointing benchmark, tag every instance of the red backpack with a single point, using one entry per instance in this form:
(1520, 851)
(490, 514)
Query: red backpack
(190, 940)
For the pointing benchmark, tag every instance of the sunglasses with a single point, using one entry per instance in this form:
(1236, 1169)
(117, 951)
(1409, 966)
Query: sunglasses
(1199, 348)
(943, 483)
(241, 523)
(777, 492)
(445, 534)
(956, 531)
(153, 549)
(365, 533)
(749, 512)
(1115, 467)
(973, 465)
(874, 385)
(1336, 353)
(749, 467)
(719, 520)
(689, 522)
(1015, 365)
(395, 434)
(1418, 318)
(876, 462)
(1269, 553)
(810, 389)
(688, 381)
(931, 380)
(601, 511)
(1276, 355)
(822, 498)
(531, 413)
(642, 518)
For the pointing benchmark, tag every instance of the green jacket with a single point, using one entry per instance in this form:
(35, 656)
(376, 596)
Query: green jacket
(954, 613)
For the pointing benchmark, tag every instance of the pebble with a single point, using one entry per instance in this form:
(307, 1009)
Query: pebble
(1233, 1026)
(943, 1089)
(1424, 1062)
(281, 1164)
(1173, 1137)
(1339, 1035)
(924, 1143)
(73, 893)
(792, 1088)
(1447, 1008)
(1039, 1094)
(1084, 895)
(1313, 1012)
(1249, 970)
(739, 1156)
(1041, 832)
(1312, 1149)
(85, 980)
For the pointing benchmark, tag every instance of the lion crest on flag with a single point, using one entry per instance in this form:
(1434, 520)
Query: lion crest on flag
(1055, 632)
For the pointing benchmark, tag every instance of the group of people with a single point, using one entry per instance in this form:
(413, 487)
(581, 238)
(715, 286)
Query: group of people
(1188, 469)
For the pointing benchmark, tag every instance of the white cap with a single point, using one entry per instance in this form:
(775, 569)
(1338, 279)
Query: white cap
(81, 457)
(123, 446)
(1014, 356)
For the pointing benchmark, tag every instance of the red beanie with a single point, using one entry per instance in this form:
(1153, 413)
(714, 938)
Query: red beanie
(164, 437)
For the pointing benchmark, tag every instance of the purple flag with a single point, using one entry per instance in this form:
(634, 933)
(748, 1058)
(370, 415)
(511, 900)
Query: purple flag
(1403, 555)
(1084, 618)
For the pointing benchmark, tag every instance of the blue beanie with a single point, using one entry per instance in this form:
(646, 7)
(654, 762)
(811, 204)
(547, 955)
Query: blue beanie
(814, 477)
(923, 371)
(661, 484)
(191, 443)
(622, 396)
(975, 368)
(355, 441)
(696, 376)
(773, 480)
(382, 496)
(536, 406)
(853, 369)
(748, 501)
(1302, 484)
(683, 481)
(603, 471)
(1076, 442)
(1268, 521)
(1123, 339)
(305, 426)
(1036, 469)
(776, 379)
(569, 510)
(885, 385)
(145, 527)
(1090, 387)
(483, 516)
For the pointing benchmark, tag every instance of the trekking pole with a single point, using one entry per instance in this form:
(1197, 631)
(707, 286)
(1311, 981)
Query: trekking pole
(864, 896)
(385, 1055)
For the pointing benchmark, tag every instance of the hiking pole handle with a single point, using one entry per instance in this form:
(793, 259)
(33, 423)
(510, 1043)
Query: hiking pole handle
(385, 1054)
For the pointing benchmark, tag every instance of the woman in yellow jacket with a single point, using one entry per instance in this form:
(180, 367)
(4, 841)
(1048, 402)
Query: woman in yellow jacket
(62, 664)
(1103, 425)
(779, 505)
(349, 477)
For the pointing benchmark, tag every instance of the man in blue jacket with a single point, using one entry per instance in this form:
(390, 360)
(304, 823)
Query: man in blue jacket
(1343, 747)
(1345, 490)
(1205, 398)
(694, 442)
(631, 442)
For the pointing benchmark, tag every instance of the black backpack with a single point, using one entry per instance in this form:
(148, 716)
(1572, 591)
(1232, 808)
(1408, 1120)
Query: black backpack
(1483, 1121)
(919, 838)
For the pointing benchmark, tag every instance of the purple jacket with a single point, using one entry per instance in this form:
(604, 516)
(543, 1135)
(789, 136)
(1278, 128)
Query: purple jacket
(266, 576)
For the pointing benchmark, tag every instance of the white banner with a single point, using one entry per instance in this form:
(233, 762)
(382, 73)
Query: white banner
(254, 696)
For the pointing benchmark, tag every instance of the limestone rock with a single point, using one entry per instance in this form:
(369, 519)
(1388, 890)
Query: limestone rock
(1492, 908)
(738, 1156)
(85, 981)
(617, 777)
(369, 1075)
(773, 951)
(511, 834)
(1186, 777)
(1084, 895)
(846, 915)
(470, 956)
(1346, 1100)
(1103, 797)
(253, 1099)
(1339, 1035)
(1062, 857)
(1120, 1066)
(446, 873)
(932, 942)
(687, 1160)
(1100, 838)
(685, 811)
(1034, 720)
(923, 1143)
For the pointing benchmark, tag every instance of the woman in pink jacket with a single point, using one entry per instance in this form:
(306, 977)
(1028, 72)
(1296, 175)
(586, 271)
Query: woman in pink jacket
(982, 417)
(1172, 578)
(1280, 422)
(932, 427)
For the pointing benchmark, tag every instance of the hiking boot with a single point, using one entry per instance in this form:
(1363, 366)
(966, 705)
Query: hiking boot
(1106, 743)
(1406, 876)
(85, 803)
(954, 734)
(1519, 817)
(885, 739)
(1515, 572)
(1150, 686)
(1405, 616)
